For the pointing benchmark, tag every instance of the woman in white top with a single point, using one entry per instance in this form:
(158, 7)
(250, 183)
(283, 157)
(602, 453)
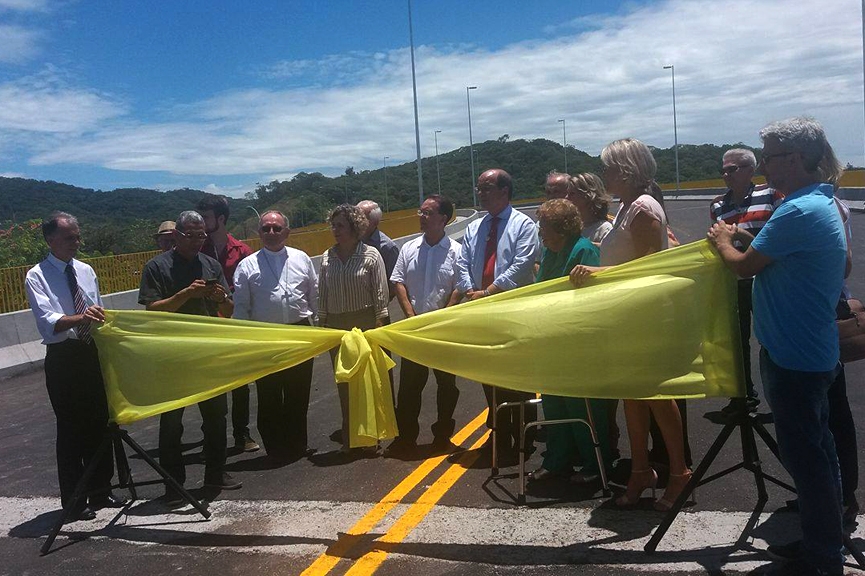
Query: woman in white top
(590, 198)
(639, 229)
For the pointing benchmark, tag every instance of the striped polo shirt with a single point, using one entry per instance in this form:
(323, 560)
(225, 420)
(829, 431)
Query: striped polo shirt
(356, 284)
(751, 215)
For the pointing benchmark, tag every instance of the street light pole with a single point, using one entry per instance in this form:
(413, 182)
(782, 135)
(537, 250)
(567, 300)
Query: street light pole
(416, 125)
(438, 171)
(386, 203)
(672, 70)
(565, 141)
(471, 144)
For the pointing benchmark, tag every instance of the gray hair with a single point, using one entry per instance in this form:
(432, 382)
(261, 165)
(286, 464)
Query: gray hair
(633, 159)
(372, 211)
(52, 222)
(277, 212)
(188, 217)
(742, 153)
(806, 137)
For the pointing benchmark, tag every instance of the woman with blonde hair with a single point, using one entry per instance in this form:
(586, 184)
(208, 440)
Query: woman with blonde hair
(639, 229)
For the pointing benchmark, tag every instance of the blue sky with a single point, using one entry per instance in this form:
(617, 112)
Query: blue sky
(220, 95)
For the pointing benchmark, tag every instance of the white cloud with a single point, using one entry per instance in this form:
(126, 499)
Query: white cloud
(45, 103)
(13, 175)
(233, 191)
(18, 44)
(736, 69)
(24, 5)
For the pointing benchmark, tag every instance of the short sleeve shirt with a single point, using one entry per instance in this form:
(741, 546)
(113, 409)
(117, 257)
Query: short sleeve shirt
(169, 273)
(796, 294)
(618, 245)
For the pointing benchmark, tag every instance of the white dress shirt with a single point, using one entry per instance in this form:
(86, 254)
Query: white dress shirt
(516, 251)
(279, 287)
(428, 272)
(50, 297)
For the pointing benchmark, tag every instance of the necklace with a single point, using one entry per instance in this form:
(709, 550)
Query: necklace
(281, 276)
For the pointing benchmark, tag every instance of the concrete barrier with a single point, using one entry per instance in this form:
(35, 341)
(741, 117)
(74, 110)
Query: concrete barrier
(21, 348)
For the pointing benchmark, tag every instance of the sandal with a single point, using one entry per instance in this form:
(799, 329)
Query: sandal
(639, 481)
(675, 485)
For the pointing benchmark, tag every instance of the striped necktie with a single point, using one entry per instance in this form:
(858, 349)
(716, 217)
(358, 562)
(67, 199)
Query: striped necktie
(83, 330)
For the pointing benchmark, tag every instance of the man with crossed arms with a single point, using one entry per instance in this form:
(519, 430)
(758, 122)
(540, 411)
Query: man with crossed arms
(424, 279)
(498, 253)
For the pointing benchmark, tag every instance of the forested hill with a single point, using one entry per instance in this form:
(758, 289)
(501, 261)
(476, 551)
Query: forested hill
(122, 220)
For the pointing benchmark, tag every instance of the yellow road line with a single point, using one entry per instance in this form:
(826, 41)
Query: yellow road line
(369, 562)
(339, 549)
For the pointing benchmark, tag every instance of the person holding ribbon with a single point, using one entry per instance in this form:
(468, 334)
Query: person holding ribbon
(639, 229)
(64, 297)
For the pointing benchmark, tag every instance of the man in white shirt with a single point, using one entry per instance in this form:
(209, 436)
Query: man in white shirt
(424, 280)
(498, 253)
(64, 296)
(278, 284)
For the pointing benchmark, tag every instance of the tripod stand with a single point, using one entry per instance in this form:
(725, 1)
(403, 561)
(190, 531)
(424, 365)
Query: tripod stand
(748, 423)
(114, 439)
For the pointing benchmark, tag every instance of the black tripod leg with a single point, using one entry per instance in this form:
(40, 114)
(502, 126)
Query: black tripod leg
(698, 474)
(854, 551)
(771, 443)
(124, 472)
(161, 471)
(79, 492)
(752, 464)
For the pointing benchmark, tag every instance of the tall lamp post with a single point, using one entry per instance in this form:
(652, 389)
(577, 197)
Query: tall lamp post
(672, 70)
(416, 126)
(471, 145)
(565, 143)
(438, 172)
(386, 202)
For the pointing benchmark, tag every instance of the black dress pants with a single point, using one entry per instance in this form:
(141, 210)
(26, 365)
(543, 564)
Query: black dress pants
(74, 382)
(412, 380)
(844, 431)
(213, 425)
(283, 401)
(240, 412)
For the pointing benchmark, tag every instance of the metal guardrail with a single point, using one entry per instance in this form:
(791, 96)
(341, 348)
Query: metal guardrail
(123, 271)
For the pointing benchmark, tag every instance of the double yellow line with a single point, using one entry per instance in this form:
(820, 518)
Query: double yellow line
(370, 561)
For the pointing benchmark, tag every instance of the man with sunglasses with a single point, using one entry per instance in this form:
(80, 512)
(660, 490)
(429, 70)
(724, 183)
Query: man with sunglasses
(278, 284)
(748, 207)
(185, 281)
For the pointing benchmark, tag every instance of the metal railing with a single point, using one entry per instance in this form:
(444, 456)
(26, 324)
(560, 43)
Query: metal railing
(123, 271)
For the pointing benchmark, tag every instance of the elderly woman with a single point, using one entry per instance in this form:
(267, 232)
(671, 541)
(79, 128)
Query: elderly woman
(352, 290)
(639, 229)
(590, 198)
(560, 227)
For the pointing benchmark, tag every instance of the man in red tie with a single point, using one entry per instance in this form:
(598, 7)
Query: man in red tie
(498, 253)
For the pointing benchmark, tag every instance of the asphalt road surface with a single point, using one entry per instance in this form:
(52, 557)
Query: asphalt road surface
(436, 514)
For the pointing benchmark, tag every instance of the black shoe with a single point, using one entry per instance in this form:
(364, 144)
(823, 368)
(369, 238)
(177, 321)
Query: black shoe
(107, 501)
(789, 551)
(223, 482)
(172, 499)
(741, 405)
(400, 449)
(84, 514)
(245, 443)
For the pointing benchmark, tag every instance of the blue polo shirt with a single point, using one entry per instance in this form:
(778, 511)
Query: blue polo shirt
(796, 294)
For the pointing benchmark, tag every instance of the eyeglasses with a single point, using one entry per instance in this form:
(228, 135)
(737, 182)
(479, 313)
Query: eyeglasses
(200, 236)
(727, 170)
(272, 228)
(766, 157)
(426, 213)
